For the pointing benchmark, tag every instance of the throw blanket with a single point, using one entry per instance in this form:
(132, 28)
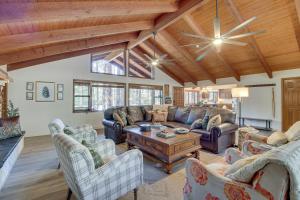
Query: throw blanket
(287, 155)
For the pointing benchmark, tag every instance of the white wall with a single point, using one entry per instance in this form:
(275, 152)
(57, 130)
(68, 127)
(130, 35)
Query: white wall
(262, 79)
(35, 116)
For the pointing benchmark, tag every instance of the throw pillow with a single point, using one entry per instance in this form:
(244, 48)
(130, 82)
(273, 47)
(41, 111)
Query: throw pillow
(118, 119)
(159, 116)
(129, 120)
(135, 113)
(98, 161)
(214, 121)
(147, 112)
(205, 122)
(293, 133)
(123, 116)
(182, 114)
(171, 113)
(196, 113)
(197, 124)
(239, 164)
(277, 139)
(69, 130)
(10, 128)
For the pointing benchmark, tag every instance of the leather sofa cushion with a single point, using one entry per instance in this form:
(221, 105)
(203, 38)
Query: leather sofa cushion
(135, 113)
(196, 113)
(176, 125)
(171, 113)
(205, 135)
(108, 113)
(7, 146)
(182, 114)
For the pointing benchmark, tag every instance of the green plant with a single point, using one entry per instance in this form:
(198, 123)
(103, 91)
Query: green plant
(11, 110)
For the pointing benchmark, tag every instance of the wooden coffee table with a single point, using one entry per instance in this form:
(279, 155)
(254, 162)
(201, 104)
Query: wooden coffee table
(167, 151)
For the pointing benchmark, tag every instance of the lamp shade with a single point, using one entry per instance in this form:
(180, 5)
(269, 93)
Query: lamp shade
(240, 92)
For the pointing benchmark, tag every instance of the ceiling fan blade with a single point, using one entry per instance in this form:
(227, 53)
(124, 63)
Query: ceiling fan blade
(205, 47)
(163, 56)
(227, 41)
(148, 57)
(197, 36)
(217, 27)
(246, 34)
(203, 55)
(245, 23)
(218, 47)
(196, 45)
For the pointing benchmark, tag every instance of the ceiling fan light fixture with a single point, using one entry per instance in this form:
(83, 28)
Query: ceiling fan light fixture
(154, 62)
(218, 41)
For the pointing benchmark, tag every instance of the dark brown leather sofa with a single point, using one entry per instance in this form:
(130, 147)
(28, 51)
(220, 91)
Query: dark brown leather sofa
(216, 140)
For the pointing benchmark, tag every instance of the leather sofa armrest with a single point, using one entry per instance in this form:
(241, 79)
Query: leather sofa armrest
(228, 127)
(110, 123)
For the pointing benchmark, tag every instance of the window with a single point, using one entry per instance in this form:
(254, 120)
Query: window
(145, 95)
(100, 65)
(138, 65)
(97, 96)
(191, 97)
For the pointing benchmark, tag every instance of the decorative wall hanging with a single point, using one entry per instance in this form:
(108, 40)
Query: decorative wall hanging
(60, 95)
(60, 87)
(29, 86)
(45, 91)
(29, 95)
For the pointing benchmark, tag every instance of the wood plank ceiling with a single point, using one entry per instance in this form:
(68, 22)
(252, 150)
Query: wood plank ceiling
(39, 31)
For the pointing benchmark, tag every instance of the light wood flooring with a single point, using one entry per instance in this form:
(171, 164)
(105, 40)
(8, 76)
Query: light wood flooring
(35, 176)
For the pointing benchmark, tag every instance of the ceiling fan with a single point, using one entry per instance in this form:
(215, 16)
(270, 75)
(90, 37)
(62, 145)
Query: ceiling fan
(157, 60)
(227, 38)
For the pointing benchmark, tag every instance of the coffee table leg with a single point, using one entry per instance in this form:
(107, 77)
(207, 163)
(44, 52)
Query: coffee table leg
(197, 155)
(168, 167)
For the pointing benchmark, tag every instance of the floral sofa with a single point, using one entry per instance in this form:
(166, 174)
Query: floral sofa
(216, 140)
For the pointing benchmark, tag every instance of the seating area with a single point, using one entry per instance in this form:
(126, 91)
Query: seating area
(149, 100)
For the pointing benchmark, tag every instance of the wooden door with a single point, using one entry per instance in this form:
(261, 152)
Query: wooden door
(178, 96)
(290, 101)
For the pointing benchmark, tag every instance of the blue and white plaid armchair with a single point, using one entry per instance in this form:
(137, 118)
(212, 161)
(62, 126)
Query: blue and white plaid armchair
(84, 132)
(115, 178)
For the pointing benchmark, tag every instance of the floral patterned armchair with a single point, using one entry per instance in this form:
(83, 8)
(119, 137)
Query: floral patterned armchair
(208, 182)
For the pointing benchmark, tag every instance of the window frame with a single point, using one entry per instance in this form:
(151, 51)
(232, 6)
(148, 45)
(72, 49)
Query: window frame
(146, 86)
(91, 69)
(187, 91)
(90, 84)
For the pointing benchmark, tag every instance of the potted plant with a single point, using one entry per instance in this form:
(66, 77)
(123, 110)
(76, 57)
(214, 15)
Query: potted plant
(12, 111)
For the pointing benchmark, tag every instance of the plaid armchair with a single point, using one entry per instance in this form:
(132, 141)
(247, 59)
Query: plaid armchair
(110, 181)
(84, 132)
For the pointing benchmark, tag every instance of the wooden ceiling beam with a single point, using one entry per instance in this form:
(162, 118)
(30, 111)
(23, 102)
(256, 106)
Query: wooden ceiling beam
(139, 55)
(165, 20)
(113, 55)
(120, 62)
(28, 40)
(28, 63)
(171, 41)
(139, 67)
(64, 47)
(239, 19)
(198, 30)
(24, 10)
(148, 51)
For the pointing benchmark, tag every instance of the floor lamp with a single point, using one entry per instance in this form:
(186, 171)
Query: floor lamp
(239, 93)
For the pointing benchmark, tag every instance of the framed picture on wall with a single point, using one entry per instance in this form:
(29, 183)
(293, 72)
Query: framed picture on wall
(44, 91)
(60, 96)
(60, 87)
(29, 86)
(29, 95)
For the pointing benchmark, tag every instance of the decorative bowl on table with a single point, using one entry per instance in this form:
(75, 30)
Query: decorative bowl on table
(181, 130)
(145, 127)
(156, 126)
